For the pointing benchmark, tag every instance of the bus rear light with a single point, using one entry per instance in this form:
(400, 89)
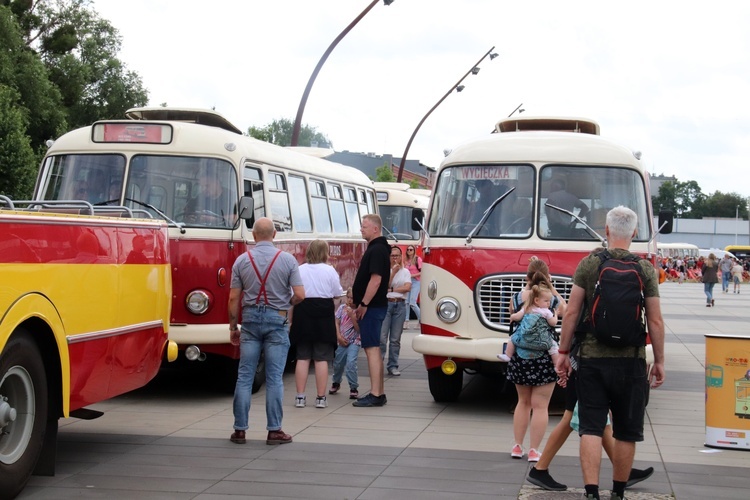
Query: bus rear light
(449, 367)
(197, 302)
(448, 310)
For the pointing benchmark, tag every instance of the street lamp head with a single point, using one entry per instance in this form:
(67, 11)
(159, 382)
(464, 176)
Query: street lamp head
(387, 2)
(475, 70)
(460, 88)
(493, 55)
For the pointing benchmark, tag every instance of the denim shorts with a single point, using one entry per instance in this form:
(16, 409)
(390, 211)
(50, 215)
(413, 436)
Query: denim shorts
(617, 384)
(370, 325)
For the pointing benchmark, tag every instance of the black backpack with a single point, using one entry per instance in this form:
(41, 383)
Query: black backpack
(618, 316)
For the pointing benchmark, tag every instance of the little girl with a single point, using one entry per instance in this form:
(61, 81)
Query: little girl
(533, 335)
(347, 334)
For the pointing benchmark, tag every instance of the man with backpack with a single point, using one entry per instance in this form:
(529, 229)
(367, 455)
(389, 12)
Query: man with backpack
(615, 294)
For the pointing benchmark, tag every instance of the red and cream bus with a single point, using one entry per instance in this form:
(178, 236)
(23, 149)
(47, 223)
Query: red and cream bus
(193, 168)
(396, 202)
(536, 187)
(84, 315)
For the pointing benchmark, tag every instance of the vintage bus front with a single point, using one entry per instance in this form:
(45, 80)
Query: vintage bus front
(498, 202)
(190, 168)
(396, 202)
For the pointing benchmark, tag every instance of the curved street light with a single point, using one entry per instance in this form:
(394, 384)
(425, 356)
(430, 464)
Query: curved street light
(305, 95)
(458, 88)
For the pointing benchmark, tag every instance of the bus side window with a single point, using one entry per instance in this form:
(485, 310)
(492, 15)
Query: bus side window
(320, 206)
(336, 204)
(301, 219)
(278, 197)
(252, 186)
(352, 211)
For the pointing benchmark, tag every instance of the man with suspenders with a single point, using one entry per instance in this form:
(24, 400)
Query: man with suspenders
(267, 283)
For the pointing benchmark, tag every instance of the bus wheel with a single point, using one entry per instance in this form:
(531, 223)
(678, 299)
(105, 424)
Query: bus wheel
(445, 388)
(23, 412)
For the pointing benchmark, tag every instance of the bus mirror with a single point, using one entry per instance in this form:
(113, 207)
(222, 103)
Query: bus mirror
(246, 208)
(417, 219)
(666, 219)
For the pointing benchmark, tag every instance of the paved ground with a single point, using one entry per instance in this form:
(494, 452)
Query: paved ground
(170, 439)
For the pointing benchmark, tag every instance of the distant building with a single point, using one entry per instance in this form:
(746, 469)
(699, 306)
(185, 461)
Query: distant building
(370, 162)
(708, 233)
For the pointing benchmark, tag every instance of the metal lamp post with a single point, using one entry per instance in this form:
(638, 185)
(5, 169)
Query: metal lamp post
(458, 88)
(306, 94)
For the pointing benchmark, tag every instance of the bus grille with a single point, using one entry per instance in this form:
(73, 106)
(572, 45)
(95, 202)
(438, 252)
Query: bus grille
(494, 294)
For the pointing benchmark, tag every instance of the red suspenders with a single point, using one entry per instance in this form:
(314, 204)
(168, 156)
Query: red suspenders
(262, 279)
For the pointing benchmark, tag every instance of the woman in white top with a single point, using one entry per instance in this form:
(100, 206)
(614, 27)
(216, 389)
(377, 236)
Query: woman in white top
(393, 324)
(313, 330)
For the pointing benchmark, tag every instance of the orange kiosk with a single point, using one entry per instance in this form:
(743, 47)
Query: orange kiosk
(728, 391)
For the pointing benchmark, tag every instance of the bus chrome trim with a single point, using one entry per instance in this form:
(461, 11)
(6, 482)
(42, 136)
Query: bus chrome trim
(113, 332)
(494, 295)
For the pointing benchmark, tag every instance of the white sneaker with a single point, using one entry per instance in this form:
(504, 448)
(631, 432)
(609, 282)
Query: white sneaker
(394, 372)
(300, 401)
(321, 402)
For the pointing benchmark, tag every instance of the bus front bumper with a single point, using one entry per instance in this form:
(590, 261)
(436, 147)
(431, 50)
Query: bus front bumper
(485, 349)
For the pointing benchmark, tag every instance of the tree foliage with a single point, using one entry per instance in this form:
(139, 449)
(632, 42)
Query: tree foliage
(60, 60)
(384, 173)
(17, 160)
(279, 132)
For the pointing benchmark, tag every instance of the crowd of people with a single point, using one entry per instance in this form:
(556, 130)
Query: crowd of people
(605, 383)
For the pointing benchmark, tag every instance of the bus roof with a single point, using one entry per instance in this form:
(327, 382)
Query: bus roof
(191, 115)
(543, 147)
(399, 193)
(192, 138)
(549, 123)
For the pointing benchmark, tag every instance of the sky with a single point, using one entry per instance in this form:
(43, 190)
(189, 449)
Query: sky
(669, 78)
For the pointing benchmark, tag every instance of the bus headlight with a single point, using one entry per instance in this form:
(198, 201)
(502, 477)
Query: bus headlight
(197, 302)
(448, 310)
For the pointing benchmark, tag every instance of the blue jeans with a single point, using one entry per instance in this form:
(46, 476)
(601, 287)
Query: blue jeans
(708, 289)
(346, 358)
(390, 333)
(413, 295)
(725, 276)
(263, 330)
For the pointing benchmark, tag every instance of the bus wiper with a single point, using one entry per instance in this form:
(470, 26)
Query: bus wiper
(390, 234)
(487, 213)
(586, 226)
(178, 225)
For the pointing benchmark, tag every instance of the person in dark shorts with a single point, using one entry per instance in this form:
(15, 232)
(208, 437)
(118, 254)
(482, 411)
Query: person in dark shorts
(313, 331)
(611, 379)
(370, 291)
(539, 474)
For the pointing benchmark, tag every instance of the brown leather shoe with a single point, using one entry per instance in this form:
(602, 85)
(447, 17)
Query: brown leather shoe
(238, 437)
(278, 437)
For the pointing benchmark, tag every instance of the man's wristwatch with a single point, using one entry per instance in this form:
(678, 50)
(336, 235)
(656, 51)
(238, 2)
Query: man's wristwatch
(363, 304)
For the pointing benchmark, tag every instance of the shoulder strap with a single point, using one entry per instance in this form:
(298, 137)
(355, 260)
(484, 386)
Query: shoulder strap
(262, 279)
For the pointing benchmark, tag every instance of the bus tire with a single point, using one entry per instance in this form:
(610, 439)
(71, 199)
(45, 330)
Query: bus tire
(445, 388)
(23, 412)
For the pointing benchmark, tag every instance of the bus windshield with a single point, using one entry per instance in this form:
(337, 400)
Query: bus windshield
(397, 222)
(199, 192)
(464, 193)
